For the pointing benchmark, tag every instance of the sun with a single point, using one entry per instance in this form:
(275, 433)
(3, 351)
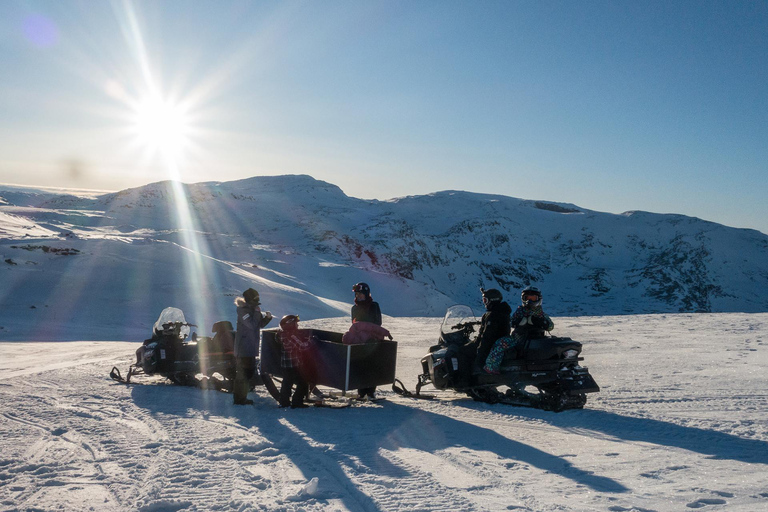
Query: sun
(162, 126)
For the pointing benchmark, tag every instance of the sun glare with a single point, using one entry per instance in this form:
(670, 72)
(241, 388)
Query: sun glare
(162, 126)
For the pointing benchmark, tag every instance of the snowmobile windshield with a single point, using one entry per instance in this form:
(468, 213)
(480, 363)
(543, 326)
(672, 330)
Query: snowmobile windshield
(169, 316)
(456, 315)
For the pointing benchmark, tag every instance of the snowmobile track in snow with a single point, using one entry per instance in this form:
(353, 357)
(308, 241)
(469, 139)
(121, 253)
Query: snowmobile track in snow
(75, 440)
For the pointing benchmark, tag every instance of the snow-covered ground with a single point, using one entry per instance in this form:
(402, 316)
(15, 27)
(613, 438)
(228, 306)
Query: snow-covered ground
(679, 424)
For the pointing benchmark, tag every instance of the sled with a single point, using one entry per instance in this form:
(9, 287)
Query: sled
(330, 363)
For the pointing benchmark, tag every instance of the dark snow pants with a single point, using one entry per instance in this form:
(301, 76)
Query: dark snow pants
(291, 377)
(245, 370)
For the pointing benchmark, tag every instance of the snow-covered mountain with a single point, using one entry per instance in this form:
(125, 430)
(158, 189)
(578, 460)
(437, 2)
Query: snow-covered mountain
(303, 243)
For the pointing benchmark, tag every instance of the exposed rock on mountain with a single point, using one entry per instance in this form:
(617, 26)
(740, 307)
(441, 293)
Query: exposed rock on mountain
(304, 243)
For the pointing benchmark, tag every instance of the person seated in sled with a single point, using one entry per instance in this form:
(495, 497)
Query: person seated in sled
(529, 322)
(493, 325)
(293, 354)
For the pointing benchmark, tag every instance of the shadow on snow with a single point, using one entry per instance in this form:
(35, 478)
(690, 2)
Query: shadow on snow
(359, 437)
(717, 445)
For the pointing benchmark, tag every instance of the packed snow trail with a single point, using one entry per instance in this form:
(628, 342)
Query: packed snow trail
(679, 424)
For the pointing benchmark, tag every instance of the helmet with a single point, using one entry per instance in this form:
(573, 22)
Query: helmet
(531, 296)
(362, 288)
(491, 296)
(289, 322)
(251, 296)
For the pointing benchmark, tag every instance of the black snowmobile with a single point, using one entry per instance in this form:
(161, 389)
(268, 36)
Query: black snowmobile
(543, 373)
(207, 362)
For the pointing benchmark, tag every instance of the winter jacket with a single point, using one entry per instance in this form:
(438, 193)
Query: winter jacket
(529, 323)
(366, 311)
(362, 332)
(249, 324)
(294, 345)
(494, 325)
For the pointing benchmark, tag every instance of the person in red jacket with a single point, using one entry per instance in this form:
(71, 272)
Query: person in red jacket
(363, 332)
(294, 345)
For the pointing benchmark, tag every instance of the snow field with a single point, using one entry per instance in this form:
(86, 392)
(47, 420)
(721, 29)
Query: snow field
(679, 425)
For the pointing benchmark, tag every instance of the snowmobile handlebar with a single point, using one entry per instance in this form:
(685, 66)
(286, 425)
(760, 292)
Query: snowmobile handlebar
(468, 326)
(177, 324)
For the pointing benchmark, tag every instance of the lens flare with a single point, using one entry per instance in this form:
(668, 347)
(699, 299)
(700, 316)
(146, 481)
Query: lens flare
(162, 126)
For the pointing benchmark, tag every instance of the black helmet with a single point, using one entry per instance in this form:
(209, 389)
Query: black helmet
(251, 296)
(531, 296)
(362, 288)
(289, 322)
(491, 296)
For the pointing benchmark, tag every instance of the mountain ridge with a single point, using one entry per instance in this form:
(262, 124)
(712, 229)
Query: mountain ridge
(304, 243)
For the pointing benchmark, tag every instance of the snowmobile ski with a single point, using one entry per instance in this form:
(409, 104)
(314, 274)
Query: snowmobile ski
(399, 388)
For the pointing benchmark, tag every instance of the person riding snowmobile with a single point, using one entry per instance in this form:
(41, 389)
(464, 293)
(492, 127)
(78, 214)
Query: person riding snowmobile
(494, 324)
(529, 322)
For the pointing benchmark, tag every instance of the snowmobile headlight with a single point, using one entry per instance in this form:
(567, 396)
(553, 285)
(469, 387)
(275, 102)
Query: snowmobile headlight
(570, 353)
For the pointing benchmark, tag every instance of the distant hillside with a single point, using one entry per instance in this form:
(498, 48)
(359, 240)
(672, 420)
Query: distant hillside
(108, 263)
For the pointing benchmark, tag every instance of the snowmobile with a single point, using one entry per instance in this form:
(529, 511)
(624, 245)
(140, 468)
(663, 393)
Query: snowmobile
(543, 373)
(207, 362)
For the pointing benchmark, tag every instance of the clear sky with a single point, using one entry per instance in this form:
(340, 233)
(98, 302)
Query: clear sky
(614, 106)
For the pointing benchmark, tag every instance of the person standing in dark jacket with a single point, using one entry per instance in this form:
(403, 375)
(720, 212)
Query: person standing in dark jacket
(250, 320)
(495, 324)
(365, 310)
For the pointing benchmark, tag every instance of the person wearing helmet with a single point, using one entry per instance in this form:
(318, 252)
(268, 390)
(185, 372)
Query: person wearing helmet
(493, 325)
(293, 348)
(529, 322)
(365, 310)
(250, 320)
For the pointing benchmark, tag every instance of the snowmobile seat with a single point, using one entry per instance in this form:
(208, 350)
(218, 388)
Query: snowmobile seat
(543, 353)
(223, 326)
(224, 337)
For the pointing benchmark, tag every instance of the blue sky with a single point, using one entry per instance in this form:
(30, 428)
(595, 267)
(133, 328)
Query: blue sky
(614, 106)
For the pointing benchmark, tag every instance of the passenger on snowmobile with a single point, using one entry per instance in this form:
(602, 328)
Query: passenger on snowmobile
(250, 320)
(293, 351)
(365, 310)
(529, 322)
(494, 324)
